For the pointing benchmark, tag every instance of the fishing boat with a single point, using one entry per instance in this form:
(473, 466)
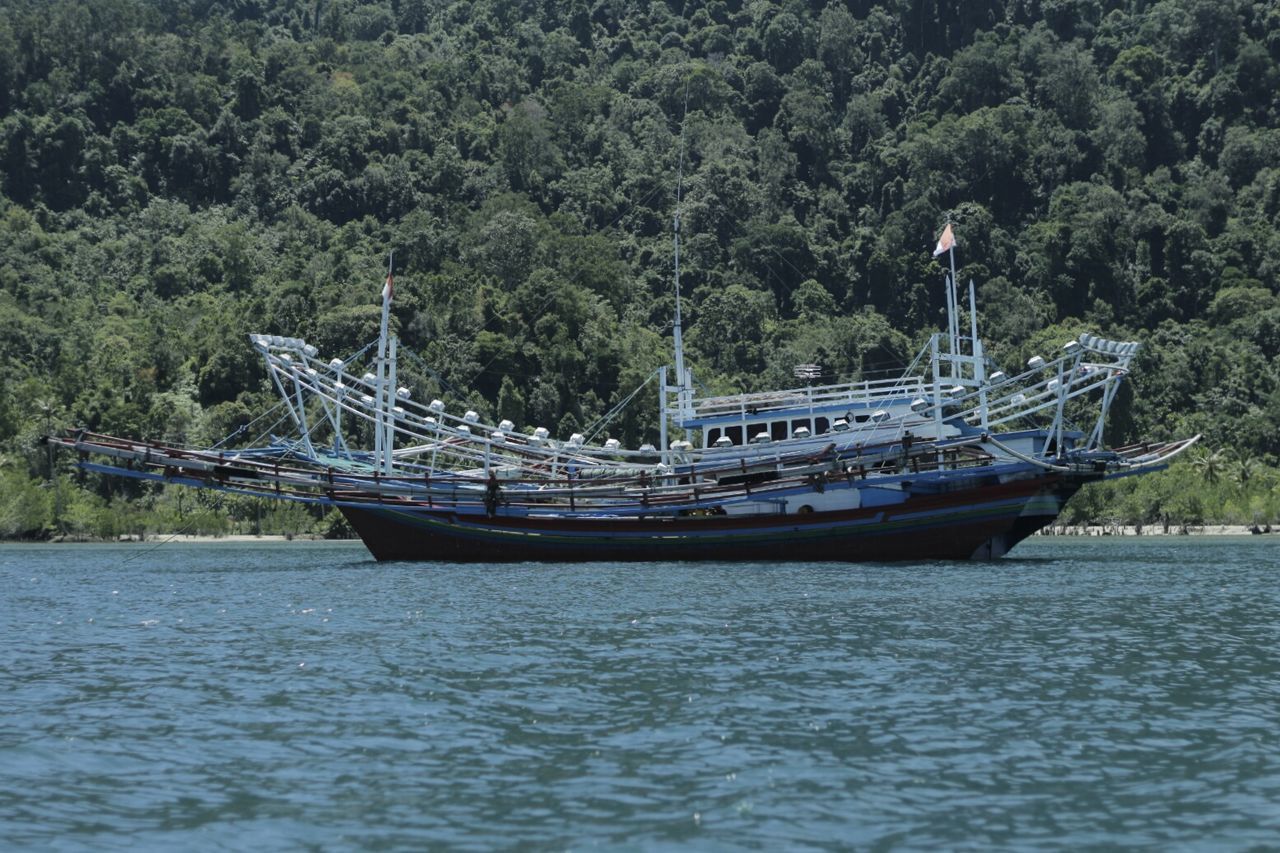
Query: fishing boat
(952, 459)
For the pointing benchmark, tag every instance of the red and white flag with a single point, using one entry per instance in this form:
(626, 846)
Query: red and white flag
(946, 242)
(388, 288)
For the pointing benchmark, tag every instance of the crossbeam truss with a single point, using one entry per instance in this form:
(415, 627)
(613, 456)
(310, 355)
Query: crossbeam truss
(326, 400)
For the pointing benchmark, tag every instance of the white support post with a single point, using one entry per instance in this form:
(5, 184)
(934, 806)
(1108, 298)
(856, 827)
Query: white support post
(1058, 413)
(339, 441)
(1064, 387)
(663, 414)
(951, 324)
(302, 418)
(389, 389)
(1108, 394)
(379, 409)
(979, 358)
(935, 358)
(295, 414)
(957, 347)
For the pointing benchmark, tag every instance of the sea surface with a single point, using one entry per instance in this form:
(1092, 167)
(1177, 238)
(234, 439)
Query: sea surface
(1098, 693)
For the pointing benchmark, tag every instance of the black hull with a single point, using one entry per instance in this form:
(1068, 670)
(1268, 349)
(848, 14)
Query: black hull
(982, 522)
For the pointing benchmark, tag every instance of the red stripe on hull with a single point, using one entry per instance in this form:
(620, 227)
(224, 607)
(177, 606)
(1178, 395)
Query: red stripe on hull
(952, 526)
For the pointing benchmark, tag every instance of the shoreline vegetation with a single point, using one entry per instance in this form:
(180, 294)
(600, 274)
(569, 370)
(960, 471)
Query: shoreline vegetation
(174, 176)
(1158, 530)
(165, 538)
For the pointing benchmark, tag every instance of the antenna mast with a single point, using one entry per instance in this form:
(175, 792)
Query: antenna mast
(682, 380)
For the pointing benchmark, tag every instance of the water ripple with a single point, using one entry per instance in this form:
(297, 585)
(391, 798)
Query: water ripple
(1090, 694)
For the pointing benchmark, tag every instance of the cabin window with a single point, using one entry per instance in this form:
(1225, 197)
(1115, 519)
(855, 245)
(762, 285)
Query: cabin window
(778, 430)
(801, 422)
(861, 419)
(734, 433)
(712, 435)
(821, 425)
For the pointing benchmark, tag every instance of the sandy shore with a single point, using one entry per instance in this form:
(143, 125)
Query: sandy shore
(1154, 530)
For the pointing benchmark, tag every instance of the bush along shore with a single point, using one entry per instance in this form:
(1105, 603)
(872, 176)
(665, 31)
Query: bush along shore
(70, 512)
(1212, 491)
(1157, 530)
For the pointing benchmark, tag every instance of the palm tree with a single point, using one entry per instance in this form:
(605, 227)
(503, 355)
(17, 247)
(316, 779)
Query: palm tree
(1211, 465)
(1244, 469)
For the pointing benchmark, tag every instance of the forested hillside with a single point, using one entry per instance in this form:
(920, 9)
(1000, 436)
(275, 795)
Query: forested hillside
(175, 174)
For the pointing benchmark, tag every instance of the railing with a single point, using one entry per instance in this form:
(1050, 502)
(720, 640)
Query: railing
(435, 436)
(866, 391)
(625, 495)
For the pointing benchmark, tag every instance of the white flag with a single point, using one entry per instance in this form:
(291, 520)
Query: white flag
(946, 242)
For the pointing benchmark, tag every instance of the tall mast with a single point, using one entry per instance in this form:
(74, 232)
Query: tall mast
(381, 447)
(678, 326)
(954, 320)
(947, 243)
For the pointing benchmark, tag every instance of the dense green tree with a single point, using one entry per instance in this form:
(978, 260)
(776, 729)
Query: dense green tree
(175, 175)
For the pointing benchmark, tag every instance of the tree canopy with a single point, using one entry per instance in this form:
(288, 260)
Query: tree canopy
(174, 175)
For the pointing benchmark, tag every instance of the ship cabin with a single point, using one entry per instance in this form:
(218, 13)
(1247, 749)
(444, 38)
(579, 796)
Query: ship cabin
(831, 410)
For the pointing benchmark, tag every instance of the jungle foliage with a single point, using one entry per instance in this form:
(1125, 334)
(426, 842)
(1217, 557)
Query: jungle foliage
(176, 174)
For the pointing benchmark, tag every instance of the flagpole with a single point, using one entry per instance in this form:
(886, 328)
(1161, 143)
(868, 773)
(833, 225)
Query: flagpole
(955, 303)
(947, 243)
(381, 453)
